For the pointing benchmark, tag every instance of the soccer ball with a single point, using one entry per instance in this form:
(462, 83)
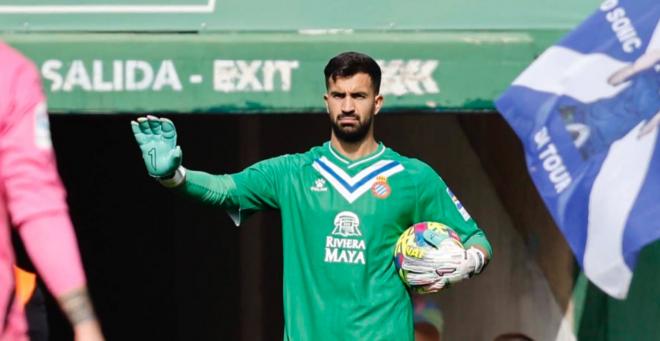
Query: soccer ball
(414, 243)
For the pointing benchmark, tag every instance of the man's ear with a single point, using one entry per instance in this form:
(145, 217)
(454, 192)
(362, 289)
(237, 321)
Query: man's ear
(379, 103)
(325, 99)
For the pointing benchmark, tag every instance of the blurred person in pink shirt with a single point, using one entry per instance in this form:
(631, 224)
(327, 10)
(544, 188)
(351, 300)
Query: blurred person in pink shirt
(32, 199)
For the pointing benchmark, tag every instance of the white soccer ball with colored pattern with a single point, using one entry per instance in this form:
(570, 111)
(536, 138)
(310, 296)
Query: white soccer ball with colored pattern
(415, 242)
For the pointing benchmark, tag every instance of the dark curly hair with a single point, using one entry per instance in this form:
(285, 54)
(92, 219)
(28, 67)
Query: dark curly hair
(348, 64)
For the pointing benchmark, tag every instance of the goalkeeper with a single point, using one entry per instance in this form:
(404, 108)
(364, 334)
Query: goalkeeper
(343, 205)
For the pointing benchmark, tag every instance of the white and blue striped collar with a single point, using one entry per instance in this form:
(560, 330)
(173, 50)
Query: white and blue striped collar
(352, 187)
(350, 164)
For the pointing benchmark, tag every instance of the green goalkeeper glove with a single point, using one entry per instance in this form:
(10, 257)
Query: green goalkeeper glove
(157, 140)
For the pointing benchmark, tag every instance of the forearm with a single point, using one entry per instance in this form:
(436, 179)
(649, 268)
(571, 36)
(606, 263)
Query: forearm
(206, 188)
(479, 241)
(77, 306)
(52, 245)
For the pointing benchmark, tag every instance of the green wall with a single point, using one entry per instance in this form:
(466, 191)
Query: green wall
(600, 317)
(289, 15)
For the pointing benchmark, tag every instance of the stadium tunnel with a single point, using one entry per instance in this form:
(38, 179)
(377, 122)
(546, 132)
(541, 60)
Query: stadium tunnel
(244, 88)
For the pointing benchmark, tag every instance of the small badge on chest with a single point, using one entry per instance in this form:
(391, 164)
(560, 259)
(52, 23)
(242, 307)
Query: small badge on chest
(381, 189)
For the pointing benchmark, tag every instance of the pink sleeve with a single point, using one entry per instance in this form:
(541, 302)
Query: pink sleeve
(34, 194)
(27, 162)
(52, 245)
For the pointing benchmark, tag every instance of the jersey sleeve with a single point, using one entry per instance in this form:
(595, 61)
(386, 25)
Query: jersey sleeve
(257, 187)
(436, 202)
(27, 163)
(241, 194)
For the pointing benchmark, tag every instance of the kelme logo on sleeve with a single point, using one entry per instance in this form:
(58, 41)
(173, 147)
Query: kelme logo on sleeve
(345, 250)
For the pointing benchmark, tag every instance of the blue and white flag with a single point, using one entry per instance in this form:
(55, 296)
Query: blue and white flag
(588, 113)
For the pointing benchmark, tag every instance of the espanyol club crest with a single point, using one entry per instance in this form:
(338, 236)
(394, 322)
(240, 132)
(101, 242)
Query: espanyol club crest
(381, 189)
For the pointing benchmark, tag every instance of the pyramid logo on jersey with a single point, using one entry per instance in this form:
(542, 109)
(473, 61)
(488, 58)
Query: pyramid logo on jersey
(352, 187)
(345, 250)
(347, 225)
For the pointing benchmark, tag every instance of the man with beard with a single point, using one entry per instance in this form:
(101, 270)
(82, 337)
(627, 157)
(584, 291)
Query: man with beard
(344, 204)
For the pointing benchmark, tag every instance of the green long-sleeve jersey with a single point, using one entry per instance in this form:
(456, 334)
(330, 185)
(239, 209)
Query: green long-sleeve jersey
(340, 221)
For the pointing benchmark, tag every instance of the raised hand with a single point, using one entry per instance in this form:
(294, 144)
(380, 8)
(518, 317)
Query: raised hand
(156, 138)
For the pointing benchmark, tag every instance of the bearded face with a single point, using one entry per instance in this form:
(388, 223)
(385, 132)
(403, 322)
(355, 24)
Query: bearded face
(352, 104)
